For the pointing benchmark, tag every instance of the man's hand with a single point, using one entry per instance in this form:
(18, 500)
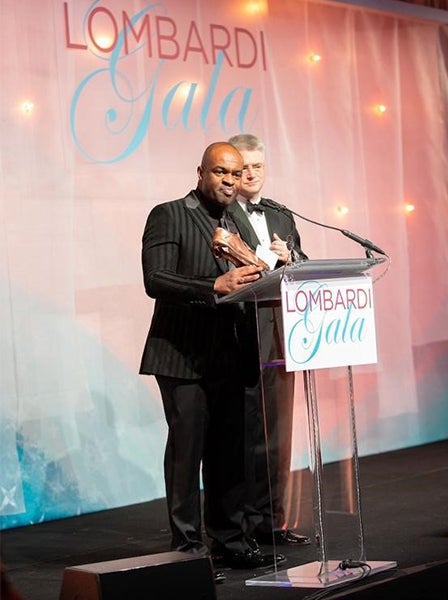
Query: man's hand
(235, 279)
(281, 249)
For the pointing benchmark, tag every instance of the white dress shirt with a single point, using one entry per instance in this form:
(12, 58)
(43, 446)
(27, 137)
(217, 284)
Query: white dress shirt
(258, 222)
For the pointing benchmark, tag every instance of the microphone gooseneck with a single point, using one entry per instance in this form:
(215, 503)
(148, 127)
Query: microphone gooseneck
(367, 244)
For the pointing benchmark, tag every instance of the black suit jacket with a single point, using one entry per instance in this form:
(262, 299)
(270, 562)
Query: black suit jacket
(270, 326)
(280, 222)
(188, 328)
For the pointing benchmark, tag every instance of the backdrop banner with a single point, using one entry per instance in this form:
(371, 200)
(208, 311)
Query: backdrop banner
(106, 108)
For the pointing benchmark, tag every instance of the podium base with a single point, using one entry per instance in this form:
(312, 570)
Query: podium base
(313, 575)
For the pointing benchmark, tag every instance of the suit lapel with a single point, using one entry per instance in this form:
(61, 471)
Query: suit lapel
(201, 219)
(246, 230)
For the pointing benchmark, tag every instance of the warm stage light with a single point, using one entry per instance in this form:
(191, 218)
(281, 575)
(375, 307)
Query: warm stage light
(104, 42)
(341, 210)
(27, 107)
(408, 208)
(380, 109)
(314, 57)
(186, 89)
(256, 7)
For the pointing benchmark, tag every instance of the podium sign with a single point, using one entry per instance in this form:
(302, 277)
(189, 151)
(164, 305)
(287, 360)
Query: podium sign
(328, 322)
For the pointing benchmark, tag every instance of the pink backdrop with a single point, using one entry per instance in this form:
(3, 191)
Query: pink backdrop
(106, 108)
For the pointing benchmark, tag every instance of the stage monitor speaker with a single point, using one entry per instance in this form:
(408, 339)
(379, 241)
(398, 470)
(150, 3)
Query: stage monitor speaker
(167, 576)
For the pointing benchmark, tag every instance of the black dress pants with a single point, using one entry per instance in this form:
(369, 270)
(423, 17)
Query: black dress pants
(205, 420)
(268, 429)
(268, 449)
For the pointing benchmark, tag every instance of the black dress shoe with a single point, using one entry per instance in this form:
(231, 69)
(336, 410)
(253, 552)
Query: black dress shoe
(253, 545)
(284, 537)
(218, 552)
(219, 576)
(251, 559)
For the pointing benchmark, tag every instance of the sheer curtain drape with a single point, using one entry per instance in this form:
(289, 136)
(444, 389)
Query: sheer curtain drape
(80, 430)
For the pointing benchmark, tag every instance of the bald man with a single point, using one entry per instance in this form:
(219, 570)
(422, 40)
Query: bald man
(195, 349)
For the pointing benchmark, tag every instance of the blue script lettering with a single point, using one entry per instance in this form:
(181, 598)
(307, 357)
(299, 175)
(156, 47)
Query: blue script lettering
(308, 334)
(226, 126)
(120, 122)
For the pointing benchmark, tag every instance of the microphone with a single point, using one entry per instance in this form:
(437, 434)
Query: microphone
(367, 244)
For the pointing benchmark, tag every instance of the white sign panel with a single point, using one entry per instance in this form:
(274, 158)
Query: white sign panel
(328, 323)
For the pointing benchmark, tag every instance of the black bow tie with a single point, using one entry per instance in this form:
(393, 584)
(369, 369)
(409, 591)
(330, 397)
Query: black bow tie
(251, 207)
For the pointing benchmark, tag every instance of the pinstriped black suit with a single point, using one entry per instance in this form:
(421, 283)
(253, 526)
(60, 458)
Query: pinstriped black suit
(278, 396)
(202, 345)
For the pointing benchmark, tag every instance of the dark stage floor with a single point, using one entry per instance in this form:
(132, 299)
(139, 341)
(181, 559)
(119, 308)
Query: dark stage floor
(405, 511)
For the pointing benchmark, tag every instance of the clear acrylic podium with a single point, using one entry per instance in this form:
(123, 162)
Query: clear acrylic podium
(337, 514)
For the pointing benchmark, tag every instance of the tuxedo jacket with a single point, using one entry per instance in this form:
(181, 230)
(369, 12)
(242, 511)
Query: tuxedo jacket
(279, 221)
(270, 327)
(188, 327)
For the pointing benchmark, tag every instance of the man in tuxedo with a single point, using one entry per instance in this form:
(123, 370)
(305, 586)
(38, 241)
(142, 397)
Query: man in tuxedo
(196, 349)
(269, 416)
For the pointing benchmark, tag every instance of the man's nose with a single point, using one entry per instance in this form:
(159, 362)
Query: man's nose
(229, 179)
(249, 174)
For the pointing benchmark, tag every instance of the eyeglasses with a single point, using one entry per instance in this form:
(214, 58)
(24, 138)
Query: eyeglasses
(256, 168)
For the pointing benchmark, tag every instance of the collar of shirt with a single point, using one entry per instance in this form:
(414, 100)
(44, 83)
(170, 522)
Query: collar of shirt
(243, 203)
(258, 222)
